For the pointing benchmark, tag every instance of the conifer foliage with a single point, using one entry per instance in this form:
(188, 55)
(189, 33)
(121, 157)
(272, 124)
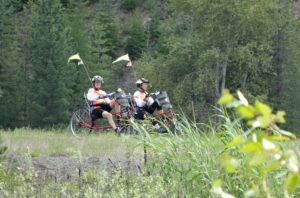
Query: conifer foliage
(48, 51)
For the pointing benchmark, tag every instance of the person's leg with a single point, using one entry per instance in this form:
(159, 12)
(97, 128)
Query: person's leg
(97, 114)
(110, 119)
(116, 106)
(151, 108)
(139, 115)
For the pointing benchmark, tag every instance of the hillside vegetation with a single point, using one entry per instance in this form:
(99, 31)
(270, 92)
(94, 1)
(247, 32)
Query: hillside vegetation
(193, 49)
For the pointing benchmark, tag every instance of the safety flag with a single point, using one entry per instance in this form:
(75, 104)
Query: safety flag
(76, 57)
(124, 58)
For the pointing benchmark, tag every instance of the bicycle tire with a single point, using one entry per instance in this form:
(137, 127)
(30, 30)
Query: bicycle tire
(80, 123)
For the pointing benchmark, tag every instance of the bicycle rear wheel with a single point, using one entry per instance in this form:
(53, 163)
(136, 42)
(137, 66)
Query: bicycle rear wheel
(81, 122)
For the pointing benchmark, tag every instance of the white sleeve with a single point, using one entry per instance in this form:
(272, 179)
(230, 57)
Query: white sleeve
(139, 102)
(91, 96)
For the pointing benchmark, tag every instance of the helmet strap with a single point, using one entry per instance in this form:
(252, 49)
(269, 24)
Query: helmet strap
(141, 89)
(95, 86)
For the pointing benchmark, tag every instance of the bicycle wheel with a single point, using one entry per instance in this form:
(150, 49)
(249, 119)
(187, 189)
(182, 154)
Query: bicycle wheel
(123, 123)
(80, 123)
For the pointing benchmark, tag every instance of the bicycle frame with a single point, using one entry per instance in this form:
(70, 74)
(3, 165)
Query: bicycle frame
(93, 126)
(97, 127)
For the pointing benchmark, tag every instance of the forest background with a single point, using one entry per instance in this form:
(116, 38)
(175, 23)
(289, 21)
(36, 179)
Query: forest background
(192, 49)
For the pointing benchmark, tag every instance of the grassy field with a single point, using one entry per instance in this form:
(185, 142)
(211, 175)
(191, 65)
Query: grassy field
(192, 164)
(57, 142)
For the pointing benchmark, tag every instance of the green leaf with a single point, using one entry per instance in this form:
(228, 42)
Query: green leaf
(233, 104)
(258, 159)
(292, 182)
(250, 122)
(237, 140)
(246, 112)
(277, 138)
(263, 109)
(292, 161)
(229, 163)
(271, 167)
(192, 174)
(226, 98)
(217, 183)
(279, 117)
(264, 121)
(251, 147)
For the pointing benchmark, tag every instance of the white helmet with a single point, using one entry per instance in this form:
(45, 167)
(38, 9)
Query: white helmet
(140, 81)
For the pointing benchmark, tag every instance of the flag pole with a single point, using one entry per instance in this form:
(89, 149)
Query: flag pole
(87, 73)
(80, 62)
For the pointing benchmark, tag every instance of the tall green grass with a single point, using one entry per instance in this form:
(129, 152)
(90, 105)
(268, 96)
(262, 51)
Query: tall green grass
(185, 165)
(194, 160)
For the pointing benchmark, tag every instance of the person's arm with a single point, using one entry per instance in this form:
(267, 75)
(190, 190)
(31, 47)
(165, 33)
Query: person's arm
(107, 100)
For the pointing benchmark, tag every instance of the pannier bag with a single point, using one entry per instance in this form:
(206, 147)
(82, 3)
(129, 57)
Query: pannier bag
(163, 99)
(122, 99)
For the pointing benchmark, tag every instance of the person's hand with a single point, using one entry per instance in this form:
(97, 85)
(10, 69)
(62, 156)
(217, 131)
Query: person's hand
(119, 90)
(105, 96)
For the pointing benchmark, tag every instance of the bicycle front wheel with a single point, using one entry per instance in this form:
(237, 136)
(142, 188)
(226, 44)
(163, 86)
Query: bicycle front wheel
(81, 122)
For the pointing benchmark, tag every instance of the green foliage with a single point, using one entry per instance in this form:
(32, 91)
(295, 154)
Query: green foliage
(260, 161)
(261, 154)
(287, 58)
(136, 41)
(192, 49)
(257, 116)
(104, 42)
(10, 70)
(49, 49)
(199, 162)
(3, 149)
(93, 183)
(105, 31)
(204, 46)
(128, 5)
(76, 17)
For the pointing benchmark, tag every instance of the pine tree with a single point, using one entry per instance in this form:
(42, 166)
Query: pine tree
(136, 42)
(48, 51)
(10, 96)
(104, 42)
(77, 14)
(129, 4)
(105, 32)
(286, 84)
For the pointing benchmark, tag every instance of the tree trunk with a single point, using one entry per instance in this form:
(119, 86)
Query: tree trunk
(279, 57)
(220, 79)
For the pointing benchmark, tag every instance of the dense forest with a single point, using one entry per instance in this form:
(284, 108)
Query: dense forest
(192, 49)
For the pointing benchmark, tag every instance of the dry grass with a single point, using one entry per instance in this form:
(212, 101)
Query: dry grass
(56, 142)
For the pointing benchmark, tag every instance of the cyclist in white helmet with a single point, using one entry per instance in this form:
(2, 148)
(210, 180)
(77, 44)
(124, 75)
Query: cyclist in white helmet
(145, 103)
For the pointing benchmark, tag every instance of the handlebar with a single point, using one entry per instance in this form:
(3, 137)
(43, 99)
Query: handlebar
(154, 94)
(113, 94)
(107, 95)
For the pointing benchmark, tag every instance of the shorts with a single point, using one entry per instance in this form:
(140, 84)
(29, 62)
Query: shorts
(140, 115)
(97, 113)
